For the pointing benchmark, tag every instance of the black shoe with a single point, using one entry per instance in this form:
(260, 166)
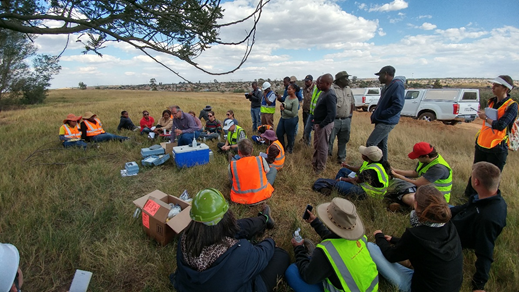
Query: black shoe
(266, 213)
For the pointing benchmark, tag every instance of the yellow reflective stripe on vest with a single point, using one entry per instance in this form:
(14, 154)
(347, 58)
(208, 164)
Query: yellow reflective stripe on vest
(263, 185)
(443, 185)
(315, 97)
(382, 177)
(234, 136)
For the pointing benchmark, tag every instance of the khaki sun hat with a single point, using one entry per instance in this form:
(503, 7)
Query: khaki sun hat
(340, 216)
(372, 152)
(88, 115)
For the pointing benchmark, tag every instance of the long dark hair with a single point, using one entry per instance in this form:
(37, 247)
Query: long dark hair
(431, 205)
(386, 166)
(198, 235)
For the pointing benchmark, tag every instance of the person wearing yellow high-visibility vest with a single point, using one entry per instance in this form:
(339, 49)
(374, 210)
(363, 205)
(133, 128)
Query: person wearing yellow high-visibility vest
(316, 93)
(341, 262)
(431, 169)
(268, 105)
(69, 132)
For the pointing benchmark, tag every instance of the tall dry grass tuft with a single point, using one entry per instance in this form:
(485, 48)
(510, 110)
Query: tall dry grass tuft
(70, 209)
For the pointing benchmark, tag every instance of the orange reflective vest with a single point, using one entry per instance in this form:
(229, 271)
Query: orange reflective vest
(267, 127)
(490, 138)
(71, 133)
(94, 129)
(280, 159)
(249, 181)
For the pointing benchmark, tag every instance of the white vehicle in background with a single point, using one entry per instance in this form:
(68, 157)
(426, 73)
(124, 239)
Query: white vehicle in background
(365, 96)
(371, 103)
(450, 106)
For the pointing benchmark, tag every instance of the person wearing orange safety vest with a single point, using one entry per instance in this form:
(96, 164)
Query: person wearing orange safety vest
(92, 130)
(275, 152)
(251, 177)
(492, 139)
(69, 133)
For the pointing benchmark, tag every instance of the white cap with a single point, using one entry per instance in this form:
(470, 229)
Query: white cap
(501, 81)
(265, 86)
(227, 124)
(9, 261)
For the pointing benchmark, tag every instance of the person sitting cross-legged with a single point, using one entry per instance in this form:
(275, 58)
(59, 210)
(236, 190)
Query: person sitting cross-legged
(251, 177)
(275, 151)
(92, 130)
(69, 132)
(235, 134)
(213, 128)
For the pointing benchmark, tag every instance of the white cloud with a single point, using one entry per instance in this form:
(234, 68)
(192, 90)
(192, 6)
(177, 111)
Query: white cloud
(363, 6)
(458, 34)
(392, 6)
(400, 17)
(427, 26)
(425, 16)
(91, 59)
(381, 32)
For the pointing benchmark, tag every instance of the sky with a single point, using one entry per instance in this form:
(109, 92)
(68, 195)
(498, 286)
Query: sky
(421, 39)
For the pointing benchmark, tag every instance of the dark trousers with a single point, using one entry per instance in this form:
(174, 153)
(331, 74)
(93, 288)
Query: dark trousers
(288, 127)
(497, 158)
(305, 118)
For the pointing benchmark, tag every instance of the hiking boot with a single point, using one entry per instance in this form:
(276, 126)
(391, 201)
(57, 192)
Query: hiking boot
(266, 212)
(395, 207)
(310, 246)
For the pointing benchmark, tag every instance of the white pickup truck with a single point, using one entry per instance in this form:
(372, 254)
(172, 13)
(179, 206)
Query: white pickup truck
(451, 106)
(365, 96)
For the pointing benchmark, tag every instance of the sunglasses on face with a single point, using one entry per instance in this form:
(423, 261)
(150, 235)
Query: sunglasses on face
(146, 114)
(228, 114)
(209, 115)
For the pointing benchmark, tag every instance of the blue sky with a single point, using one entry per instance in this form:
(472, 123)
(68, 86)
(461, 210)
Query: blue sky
(421, 39)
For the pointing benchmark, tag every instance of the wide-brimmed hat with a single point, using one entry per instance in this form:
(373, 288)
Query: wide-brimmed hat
(71, 117)
(341, 74)
(340, 216)
(269, 135)
(503, 82)
(10, 259)
(208, 108)
(372, 152)
(390, 70)
(420, 149)
(88, 115)
(228, 124)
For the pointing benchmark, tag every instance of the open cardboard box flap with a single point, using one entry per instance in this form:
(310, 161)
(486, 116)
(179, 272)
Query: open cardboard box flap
(140, 202)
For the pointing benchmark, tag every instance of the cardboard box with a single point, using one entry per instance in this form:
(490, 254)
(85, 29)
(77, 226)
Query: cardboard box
(168, 147)
(187, 156)
(155, 211)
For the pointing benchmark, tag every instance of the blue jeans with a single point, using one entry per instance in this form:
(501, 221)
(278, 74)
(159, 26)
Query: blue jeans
(256, 118)
(271, 175)
(107, 137)
(346, 188)
(308, 129)
(187, 138)
(145, 130)
(379, 137)
(288, 127)
(209, 136)
(395, 273)
(68, 144)
(295, 281)
(341, 129)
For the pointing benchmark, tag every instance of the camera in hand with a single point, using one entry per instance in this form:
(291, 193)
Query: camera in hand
(306, 215)
(247, 95)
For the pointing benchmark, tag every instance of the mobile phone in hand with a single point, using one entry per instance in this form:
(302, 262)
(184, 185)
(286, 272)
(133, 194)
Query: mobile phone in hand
(306, 215)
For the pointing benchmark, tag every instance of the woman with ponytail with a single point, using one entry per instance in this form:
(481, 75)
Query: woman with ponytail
(431, 245)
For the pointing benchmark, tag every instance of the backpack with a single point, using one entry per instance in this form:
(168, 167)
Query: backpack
(324, 185)
(513, 134)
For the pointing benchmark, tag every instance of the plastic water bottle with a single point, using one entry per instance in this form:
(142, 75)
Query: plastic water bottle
(298, 237)
(194, 143)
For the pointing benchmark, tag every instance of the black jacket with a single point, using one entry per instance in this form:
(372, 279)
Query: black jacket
(434, 252)
(326, 108)
(255, 98)
(479, 223)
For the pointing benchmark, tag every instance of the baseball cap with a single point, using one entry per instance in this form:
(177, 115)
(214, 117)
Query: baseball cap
(227, 124)
(420, 149)
(372, 152)
(309, 77)
(390, 70)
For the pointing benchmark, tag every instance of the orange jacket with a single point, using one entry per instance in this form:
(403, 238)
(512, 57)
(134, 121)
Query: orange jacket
(94, 129)
(71, 133)
(249, 181)
(490, 138)
(280, 159)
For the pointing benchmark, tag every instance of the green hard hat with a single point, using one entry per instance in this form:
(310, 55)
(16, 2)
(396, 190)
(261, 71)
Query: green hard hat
(208, 207)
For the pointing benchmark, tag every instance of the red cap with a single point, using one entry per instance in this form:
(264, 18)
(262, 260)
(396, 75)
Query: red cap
(420, 149)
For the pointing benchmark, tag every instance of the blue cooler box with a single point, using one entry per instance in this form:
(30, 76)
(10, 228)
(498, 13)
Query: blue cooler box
(187, 156)
(155, 160)
(153, 150)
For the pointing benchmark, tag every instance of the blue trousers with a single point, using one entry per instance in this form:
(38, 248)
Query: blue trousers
(256, 118)
(295, 281)
(346, 188)
(379, 137)
(395, 273)
(288, 127)
(187, 138)
(68, 144)
(107, 137)
(308, 129)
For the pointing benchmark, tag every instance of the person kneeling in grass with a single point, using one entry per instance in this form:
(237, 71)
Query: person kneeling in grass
(69, 132)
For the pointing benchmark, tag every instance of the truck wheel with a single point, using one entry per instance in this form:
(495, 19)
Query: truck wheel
(364, 109)
(451, 123)
(427, 116)
(372, 109)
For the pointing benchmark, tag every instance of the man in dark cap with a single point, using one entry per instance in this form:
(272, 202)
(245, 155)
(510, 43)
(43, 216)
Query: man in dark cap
(342, 123)
(387, 114)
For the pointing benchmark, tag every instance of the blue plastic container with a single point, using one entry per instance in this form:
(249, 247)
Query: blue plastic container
(145, 152)
(131, 168)
(187, 156)
(155, 160)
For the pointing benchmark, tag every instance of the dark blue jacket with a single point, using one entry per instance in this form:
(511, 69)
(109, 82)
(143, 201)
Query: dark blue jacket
(237, 270)
(390, 104)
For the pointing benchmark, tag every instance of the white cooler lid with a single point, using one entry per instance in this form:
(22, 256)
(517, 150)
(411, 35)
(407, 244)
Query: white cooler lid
(188, 148)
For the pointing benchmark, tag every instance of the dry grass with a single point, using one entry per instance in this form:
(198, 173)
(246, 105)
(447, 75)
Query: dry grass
(78, 215)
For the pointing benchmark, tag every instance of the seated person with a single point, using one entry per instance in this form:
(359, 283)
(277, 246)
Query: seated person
(126, 123)
(236, 134)
(213, 128)
(92, 130)
(11, 277)
(165, 123)
(146, 123)
(341, 262)
(251, 177)
(204, 113)
(197, 120)
(431, 168)
(371, 177)
(275, 151)
(215, 252)
(230, 116)
(480, 221)
(261, 129)
(184, 127)
(69, 133)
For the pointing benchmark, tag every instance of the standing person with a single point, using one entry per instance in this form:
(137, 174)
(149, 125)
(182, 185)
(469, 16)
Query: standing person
(275, 151)
(289, 119)
(432, 245)
(491, 142)
(324, 114)
(307, 135)
(215, 253)
(213, 128)
(307, 98)
(342, 122)
(286, 82)
(268, 105)
(146, 123)
(69, 132)
(387, 114)
(480, 221)
(92, 130)
(204, 113)
(126, 123)
(184, 127)
(255, 97)
(341, 262)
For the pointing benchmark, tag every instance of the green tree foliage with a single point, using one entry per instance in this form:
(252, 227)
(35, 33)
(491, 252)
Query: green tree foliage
(179, 28)
(18, 80)
(82, 86)
(437, 84)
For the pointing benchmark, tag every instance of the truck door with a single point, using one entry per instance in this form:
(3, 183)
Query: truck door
(468, 104)
(411, 103)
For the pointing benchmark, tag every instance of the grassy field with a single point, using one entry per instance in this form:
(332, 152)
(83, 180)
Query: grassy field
(71, 209)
